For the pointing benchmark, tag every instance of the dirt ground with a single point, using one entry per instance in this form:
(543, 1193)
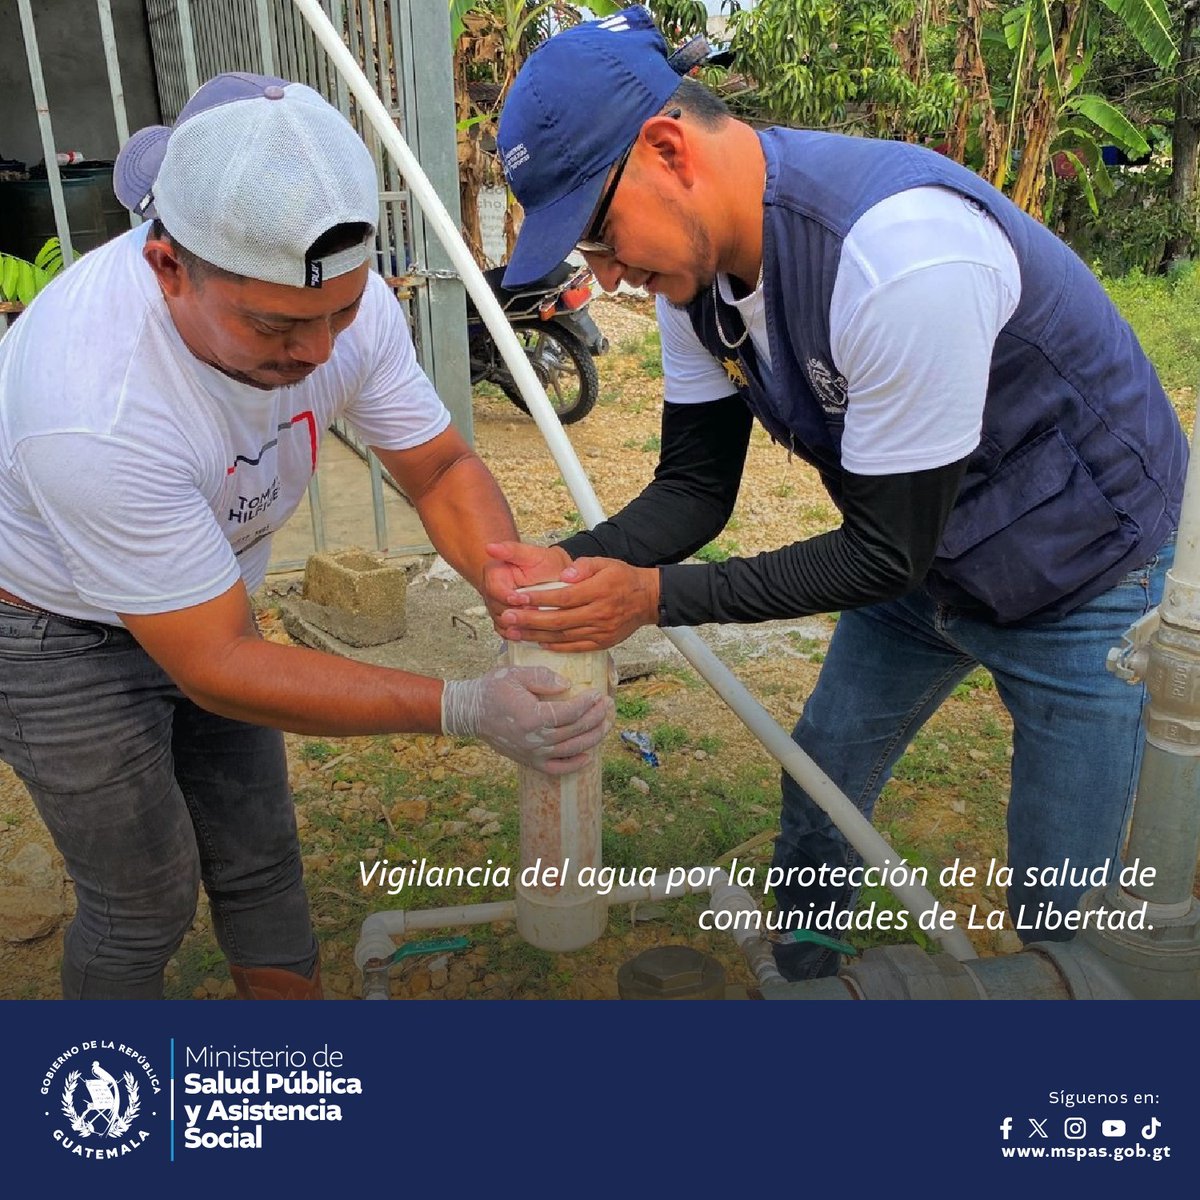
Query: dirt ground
(448, 635)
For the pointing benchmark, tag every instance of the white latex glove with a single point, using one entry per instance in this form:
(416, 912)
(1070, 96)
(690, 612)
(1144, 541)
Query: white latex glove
(504, 708)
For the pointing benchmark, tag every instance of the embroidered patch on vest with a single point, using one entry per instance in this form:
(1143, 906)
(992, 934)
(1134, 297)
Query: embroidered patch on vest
(733, 369)
(830, 387)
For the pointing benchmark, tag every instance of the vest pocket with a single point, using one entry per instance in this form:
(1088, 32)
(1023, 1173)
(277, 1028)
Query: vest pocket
(1034, 532)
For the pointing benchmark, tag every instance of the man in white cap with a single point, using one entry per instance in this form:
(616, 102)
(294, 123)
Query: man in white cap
(161, 406)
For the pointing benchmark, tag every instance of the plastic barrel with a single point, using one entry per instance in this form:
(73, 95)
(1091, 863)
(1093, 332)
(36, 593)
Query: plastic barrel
(116, 215)
(27, 215)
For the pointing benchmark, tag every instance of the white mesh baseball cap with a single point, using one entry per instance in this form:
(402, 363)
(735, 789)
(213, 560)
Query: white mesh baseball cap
(254, 170)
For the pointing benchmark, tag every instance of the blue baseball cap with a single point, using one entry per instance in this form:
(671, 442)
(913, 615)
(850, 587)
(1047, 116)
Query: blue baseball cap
(576, 105)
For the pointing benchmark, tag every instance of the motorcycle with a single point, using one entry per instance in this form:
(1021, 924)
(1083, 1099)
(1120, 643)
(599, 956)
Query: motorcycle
(558, 335)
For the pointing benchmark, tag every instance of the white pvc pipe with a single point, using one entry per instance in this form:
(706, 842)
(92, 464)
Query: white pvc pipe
(448, 234)
(378, 930)
(857, 829)
(1186, 569)
(1180, 606)
(375, 940)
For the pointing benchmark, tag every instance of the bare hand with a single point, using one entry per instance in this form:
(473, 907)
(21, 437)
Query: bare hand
(514, 565)
(605, 601)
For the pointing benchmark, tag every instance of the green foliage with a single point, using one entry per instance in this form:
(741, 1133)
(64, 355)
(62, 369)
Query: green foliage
(667, 737)
(632, 708)
(809, 648)
(1164, 311)
(649, 351)
(980, 680)
(1037, 69)
(814, 63)
(317, 752)
(1132, 228)
(679, 19)
(715, 552)
(1150, 23)
(21, 280)
(520, 14)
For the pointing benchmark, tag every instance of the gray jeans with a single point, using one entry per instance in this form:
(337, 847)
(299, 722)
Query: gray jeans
(148, 796)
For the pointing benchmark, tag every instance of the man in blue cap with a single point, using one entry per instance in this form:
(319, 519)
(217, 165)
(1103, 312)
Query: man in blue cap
(1007, 466)
(161, 409)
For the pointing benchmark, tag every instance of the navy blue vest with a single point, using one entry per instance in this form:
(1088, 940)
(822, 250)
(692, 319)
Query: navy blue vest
(1078, 476)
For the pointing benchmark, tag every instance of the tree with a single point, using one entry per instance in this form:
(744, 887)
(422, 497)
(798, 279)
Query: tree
(1039, 101)
(1185, 136)
(856, 65)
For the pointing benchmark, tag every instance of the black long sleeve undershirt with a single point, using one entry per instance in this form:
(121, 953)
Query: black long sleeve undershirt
(891, 526)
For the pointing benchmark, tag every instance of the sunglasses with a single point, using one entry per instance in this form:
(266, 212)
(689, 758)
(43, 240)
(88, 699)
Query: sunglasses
(590, 243)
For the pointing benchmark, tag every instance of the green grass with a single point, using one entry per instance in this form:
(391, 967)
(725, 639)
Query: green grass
(1165, 315)
(716, 552)
(650, 355)
(808, 648)
(317, 752)
(632, 708)
(668, 738)
(979, 680)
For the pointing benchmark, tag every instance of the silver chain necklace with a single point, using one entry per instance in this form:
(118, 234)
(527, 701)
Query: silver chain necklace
(717, 314)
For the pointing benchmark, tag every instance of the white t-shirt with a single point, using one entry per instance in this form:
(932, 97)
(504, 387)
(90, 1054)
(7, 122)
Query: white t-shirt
(927, 279)
(134, 477)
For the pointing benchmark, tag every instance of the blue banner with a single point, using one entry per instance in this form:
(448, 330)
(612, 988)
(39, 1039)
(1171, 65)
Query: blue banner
(1022, 1098)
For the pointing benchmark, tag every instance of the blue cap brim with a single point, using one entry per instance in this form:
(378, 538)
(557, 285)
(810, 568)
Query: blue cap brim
(137, 166)
(549, 234)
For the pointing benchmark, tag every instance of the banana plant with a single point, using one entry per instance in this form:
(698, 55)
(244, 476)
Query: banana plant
(519, 14)
(1051, 43)
(491, 39)
(21, 280)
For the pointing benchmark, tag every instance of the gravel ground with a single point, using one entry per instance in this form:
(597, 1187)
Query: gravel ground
(617, 445)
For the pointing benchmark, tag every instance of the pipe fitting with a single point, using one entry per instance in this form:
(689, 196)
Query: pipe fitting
(1173, 685)
(1181, 601)
(375, 939)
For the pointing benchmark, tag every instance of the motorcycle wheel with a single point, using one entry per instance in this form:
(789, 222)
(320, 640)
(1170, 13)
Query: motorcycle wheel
(564, 367)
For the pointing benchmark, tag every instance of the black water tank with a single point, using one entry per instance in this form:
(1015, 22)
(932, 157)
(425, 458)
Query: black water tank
(27, 215)
(116, 215)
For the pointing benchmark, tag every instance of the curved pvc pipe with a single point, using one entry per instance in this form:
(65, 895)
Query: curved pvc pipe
(378, 930)
(857, 829)
(375, 940)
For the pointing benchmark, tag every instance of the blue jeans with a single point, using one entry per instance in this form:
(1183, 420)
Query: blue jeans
(1077, 736)
(148, 796)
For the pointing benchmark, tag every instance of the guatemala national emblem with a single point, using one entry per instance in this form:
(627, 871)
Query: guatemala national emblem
(96, 1103)
(103, 1114)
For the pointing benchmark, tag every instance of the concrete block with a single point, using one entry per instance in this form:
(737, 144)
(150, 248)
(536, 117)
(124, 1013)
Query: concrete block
(357, 596)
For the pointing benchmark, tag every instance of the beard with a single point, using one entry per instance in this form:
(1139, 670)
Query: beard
(703, 257)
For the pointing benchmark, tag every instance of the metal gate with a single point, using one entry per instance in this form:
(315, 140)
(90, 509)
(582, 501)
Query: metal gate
(404, 48)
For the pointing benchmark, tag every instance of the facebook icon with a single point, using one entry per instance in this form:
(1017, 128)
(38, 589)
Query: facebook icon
(1006, 1127)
